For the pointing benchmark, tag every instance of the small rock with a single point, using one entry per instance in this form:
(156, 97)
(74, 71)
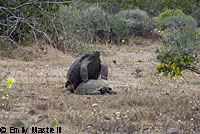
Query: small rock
(43, 97)
(107, 118)
(41, 118)
(172, 131)
(95, 104)
(32, 112)
(115, 62)
(88, 97)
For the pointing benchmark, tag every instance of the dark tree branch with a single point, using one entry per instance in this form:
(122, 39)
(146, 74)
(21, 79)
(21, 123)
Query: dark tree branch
(193, 69)
(43, 2)
(9, 39)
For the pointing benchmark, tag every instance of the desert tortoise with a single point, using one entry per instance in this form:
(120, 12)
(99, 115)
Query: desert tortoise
(87, 67)
(94, 87)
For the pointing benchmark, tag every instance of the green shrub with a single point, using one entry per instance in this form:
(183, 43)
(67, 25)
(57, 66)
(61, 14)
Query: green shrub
(118, 29)
(70, 17)
(113, 6)
(153, 8)
(81, 5)
(174, 19)
(94, 23)
(169, 13)
(177, 22)
(97, 24)
(196, 15)
(179, 51)
(136, 20)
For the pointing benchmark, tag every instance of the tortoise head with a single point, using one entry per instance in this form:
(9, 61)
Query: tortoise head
(69, 86)
(94, 55)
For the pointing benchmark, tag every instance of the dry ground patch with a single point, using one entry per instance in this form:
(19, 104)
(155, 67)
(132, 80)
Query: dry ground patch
(145, 103)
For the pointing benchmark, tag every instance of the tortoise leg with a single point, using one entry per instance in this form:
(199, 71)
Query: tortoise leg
(104, 71)
(110, 91)
(84, 72)
(94, 93)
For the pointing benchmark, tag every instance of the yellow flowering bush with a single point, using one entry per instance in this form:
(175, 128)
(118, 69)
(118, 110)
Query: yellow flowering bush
(180, 51)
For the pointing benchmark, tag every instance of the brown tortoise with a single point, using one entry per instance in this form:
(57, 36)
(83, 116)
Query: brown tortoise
(94, 87)
(86, 67)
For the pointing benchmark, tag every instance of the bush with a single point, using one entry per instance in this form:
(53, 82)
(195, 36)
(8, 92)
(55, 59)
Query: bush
(69, 16)
(136, 20)
(196, 15)
(23, 23)
(113, 6)
(97, 24)
(175, 19)
(179, 51)
(118, 29)
(169, 13)
(153, 8)
(177, 22)
(94, 23)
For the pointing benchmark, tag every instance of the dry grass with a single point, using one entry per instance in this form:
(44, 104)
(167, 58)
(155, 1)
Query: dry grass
(147, 104)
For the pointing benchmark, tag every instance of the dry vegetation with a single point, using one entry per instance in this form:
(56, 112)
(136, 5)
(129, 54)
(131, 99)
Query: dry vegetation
(145, 103)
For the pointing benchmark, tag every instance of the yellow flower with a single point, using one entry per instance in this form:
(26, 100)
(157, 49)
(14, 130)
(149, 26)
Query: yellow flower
(56, 121)
(182, 61)
(190, 63)
(123, 41)
(165, 53)
(9, 82)
(160, 67)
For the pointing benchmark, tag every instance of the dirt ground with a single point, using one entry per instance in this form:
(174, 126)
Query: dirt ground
(146, 103)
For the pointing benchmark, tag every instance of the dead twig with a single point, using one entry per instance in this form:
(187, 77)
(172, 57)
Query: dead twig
(5, 76)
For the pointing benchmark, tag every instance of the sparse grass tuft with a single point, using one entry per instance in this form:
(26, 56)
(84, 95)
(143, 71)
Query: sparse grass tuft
(137, 73)
(17, 123)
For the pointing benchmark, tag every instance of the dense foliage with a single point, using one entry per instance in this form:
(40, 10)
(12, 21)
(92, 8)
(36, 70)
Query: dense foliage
(180, 51)
(153, 8)
(196, 15)
(116, 27)
(94, 24)
(175, 19)
(22, 20)
(137, 21)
